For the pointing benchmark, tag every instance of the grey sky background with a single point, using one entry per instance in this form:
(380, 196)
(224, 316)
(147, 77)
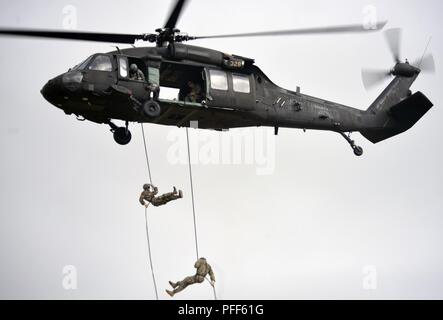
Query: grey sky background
(69, 194)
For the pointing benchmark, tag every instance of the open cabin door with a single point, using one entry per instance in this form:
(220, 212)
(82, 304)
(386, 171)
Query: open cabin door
(187, 82)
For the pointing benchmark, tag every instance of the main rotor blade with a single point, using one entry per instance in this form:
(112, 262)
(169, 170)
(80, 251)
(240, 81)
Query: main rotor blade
(175, 14)
(372, 77)
(88, 36)
(426, 64)
(393, 37)
(322, 30)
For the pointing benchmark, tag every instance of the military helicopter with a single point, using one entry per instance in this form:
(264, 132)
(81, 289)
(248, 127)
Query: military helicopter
(233, 93)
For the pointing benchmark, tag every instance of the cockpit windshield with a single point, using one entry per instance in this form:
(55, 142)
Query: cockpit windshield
(100, 62)
(82, 65)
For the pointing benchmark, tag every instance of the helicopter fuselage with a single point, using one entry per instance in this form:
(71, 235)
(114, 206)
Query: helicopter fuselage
(235, 92)
(232, 91)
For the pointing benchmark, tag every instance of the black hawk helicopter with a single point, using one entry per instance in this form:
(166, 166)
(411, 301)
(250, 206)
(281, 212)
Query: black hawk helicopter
(233, 91)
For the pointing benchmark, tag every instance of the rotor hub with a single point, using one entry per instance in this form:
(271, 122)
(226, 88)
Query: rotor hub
(166, 35)
(404, 69)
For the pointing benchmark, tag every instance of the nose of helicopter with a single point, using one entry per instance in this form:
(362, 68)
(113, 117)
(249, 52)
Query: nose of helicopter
(52, 90)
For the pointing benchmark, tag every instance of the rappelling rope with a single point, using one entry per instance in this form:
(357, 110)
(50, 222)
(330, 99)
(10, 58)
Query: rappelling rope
(146, 154)
(193, 207)
(192, 195)
(149, 251)
(146, 217)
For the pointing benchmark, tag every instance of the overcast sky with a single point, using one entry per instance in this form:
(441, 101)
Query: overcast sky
(308, 229)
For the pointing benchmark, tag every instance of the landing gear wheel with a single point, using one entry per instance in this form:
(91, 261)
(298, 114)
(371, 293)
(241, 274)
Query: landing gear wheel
(358, 151)
(151, 109)
(122, 136)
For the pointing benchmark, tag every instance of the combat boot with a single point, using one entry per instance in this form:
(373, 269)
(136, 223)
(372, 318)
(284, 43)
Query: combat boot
(180, 194)
(171, 293)
(173, 284)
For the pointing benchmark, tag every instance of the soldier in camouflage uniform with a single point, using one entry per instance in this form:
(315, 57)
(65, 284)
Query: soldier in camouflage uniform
(195, 92)
(149, 194)
(135, 73)
(203, 269)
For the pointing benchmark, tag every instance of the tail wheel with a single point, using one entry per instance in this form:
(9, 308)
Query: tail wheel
(122, 136)
(358, 151)
(151, 109)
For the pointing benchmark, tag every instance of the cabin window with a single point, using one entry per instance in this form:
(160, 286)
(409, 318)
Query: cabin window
(241, 83)
(123, 63)
(101, 63)
(154, 75)
(219, 80)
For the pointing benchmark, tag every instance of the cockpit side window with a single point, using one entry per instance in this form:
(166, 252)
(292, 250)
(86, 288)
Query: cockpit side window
(101, 63)
(123, 66)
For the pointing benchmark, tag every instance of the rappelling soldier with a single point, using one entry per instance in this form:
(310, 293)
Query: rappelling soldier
(149, 195)
(203, 269)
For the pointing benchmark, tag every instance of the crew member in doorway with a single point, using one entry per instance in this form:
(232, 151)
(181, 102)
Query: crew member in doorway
(203, 269)
(149, 193)
(195, 92)
(135, 73)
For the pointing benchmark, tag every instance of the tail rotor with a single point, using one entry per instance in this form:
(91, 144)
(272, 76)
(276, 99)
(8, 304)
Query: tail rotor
(373, 77)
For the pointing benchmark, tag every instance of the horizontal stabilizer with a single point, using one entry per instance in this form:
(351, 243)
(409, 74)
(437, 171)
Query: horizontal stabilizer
(401, 117)
(410, 110)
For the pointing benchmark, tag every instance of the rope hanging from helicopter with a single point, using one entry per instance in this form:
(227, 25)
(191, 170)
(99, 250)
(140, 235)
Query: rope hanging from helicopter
(193, 207)
(146, 217)
(193, 210)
